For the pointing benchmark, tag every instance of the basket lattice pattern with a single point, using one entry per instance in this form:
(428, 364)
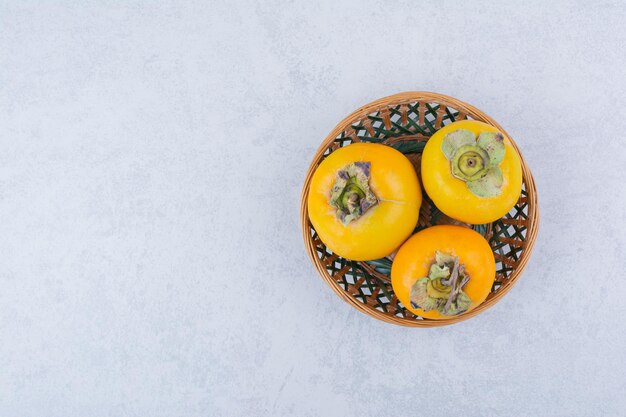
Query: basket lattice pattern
(406, 122)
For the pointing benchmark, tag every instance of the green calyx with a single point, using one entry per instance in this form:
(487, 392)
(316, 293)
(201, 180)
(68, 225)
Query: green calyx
(442, 289)
(351, 194)
(475, 160)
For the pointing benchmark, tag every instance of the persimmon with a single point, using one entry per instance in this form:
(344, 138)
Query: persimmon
(443, 271)
(364, 200)
(472, 172)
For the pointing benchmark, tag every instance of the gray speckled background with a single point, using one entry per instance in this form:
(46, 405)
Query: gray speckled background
(151, 161)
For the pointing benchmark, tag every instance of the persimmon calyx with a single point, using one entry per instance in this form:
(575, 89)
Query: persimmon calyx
(442, 289)
(476, 160)
(351, 194)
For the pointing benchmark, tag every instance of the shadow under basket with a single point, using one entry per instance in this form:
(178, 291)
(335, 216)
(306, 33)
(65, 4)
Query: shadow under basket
(406, 121)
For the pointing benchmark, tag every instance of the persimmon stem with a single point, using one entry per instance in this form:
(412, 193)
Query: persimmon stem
(351, 194)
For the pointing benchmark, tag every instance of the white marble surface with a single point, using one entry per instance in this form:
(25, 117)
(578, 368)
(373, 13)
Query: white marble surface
(151, 161)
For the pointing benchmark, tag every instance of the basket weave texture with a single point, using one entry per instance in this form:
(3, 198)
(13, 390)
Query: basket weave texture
(406, 121)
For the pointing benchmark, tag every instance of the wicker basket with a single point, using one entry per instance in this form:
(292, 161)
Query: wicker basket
(406, 121)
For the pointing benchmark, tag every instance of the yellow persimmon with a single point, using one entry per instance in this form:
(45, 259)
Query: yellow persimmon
(471, 172)
(364, 200)
(443, 271)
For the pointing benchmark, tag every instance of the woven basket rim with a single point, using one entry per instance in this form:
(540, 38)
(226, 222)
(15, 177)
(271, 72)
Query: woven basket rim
(405, 98)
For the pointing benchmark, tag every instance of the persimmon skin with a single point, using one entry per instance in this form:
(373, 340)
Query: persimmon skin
(417, 254)
(452, 196)
(383, 227)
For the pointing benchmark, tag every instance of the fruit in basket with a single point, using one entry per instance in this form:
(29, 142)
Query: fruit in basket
(364, 200)
(472, 172)
(443, 271)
